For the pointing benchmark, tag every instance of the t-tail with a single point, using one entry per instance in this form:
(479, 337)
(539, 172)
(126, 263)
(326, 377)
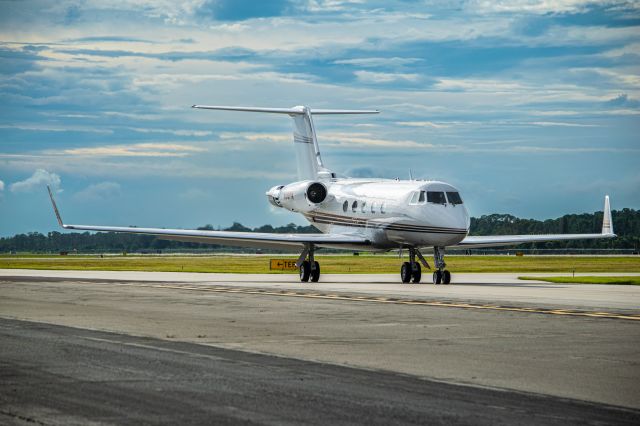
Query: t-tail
(308, 158)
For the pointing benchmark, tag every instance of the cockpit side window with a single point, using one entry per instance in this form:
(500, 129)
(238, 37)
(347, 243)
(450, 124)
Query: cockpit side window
(454, 198)
(436, 197)
(414, 198)
(422, 197)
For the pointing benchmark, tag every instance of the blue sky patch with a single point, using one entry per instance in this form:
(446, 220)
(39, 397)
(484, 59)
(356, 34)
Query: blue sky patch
(530, 108)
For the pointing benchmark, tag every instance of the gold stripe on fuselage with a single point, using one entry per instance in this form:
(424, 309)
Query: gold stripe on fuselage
(333, 219)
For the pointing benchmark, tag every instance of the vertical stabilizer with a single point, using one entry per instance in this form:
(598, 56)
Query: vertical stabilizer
(607, 222)
(308, 158)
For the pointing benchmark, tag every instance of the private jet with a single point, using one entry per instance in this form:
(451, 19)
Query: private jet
(356, 214)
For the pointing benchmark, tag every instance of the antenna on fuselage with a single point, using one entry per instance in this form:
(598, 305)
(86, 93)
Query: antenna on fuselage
(410, 174)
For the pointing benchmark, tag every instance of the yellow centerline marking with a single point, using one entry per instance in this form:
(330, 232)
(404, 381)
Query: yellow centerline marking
(397, 301)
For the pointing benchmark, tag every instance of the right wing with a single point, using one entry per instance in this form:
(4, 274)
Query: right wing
(229, 238)
(505, 240)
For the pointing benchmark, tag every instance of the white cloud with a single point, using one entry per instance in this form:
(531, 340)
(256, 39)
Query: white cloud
(377, 62)
(179, 132)
(66, 128)
(422, 124)
(99, 191)
(529, 6)
(477, 85)
(330, 5)
(134, 167)
(133, 150)
(561, 124)
(39, 179)
(345, 139)
(257, 137)
(384, 77)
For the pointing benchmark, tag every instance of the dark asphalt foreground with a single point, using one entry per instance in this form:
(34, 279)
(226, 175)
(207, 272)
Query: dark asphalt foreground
(52, 374)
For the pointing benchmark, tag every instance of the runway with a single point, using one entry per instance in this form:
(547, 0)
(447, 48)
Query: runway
(477, 288)
(60, 375)
(356, 325)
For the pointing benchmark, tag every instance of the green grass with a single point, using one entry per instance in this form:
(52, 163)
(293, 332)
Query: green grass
(330, 263)
(588, 280)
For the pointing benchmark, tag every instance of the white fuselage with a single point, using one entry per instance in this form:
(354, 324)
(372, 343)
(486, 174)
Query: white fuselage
(390, 213)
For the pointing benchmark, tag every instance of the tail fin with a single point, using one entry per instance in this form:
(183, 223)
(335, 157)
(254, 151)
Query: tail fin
(607, 222)
(308, 158)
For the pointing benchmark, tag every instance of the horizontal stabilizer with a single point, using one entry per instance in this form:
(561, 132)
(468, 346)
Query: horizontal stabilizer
(297, 110)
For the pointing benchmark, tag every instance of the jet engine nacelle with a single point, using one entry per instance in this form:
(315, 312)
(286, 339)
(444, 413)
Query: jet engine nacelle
(298, 196)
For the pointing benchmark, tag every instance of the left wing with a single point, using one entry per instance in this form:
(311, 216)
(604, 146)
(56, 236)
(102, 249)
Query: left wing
(229, 238)
(504, 240)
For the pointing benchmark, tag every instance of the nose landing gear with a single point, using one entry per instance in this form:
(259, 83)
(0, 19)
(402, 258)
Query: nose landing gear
(309, 269)
(441, 275)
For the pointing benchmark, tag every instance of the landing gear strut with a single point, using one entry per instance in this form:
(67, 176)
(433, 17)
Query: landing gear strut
(411, 270)
(309, 269)
(440, 275)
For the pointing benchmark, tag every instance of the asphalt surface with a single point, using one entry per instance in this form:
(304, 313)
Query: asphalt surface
(454, 335)
(60, 375)
(503, 288)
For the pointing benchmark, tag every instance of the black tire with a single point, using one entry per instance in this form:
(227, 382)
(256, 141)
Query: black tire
(315, 272)
(416, 274)
(405, 272)
(437, 277)
(446, 277)
(305, 271)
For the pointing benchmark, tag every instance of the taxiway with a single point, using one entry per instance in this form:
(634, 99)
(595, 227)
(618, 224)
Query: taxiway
(461, 336)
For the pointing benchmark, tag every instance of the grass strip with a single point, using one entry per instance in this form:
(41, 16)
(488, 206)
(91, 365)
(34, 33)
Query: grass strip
(587, 280)
(331, 264)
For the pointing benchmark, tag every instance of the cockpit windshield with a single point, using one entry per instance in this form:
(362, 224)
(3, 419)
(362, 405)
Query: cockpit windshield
(454, 198)
(436, 197)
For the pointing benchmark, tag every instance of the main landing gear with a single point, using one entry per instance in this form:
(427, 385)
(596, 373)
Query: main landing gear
(309, 268)
(412, 272)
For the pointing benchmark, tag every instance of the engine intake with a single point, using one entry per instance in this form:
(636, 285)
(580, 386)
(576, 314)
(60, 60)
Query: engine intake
(316, 193)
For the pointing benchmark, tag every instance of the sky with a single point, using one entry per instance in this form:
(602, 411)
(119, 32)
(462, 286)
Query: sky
(529, 107)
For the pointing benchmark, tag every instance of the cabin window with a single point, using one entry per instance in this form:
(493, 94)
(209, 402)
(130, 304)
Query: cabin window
(436, 197)
(382, 209)
(454, 198)
(354, 206)
(373, 207)
(345, 206)
(364, 206)
(422, 198)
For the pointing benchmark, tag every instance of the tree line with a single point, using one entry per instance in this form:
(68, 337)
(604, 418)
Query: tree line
(626, 223)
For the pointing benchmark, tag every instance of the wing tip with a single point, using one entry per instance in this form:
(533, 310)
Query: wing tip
(55, 207)
(607, 221)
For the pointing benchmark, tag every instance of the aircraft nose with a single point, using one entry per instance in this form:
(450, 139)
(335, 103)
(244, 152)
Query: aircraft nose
(464, 220)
